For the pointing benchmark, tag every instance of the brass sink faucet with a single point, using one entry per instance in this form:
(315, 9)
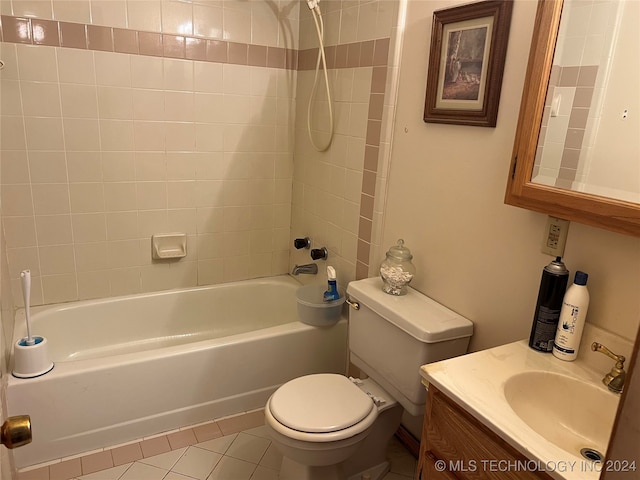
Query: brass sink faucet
(614, 380)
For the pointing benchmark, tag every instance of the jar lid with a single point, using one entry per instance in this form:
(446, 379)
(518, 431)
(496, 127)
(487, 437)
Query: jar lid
(399, 251)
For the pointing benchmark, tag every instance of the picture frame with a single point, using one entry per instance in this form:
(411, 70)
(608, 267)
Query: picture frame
(466, 63)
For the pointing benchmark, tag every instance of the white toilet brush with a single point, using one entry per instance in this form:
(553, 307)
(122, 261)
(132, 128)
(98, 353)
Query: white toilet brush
(31, 353)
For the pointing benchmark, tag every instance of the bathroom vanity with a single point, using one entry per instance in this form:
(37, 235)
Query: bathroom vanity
(511, 412)
(457, 446)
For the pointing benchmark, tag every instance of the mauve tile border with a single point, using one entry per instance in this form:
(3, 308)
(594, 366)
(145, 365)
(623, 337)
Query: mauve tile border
(34, 31)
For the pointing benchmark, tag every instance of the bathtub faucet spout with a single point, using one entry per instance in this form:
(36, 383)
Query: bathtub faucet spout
(309, 269)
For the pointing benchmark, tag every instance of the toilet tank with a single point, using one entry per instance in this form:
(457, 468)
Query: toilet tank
(390, 337)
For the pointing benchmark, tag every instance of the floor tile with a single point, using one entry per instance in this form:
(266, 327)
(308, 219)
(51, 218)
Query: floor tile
(35, 474)
(65, 470)
(404, 465)
(219, 445)
(272, 458)
(231, 425)
(260, 431)
(141, 471)
(126, 454)
(176, 476)
(109, 474)
(246, 455)
(402, 462)
(165, 460)
(264, 473)
(207, 431)
(248, 448)
(232, 468)
(155, 446)
(183, 438)
(96, 462)
(197, 463)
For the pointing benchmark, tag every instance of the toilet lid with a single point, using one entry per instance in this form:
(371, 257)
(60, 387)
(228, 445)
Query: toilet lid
(320, 403)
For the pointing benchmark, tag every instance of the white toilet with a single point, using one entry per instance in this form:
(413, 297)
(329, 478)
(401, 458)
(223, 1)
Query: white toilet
(330, 427)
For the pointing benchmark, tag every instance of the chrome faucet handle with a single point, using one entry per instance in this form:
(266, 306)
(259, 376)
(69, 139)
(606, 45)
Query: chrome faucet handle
(614, 380)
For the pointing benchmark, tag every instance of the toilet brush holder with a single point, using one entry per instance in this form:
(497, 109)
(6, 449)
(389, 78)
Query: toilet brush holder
(31, 360)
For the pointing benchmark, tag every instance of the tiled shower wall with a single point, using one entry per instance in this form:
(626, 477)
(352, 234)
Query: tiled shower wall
(577, 84)
(179, 116)
(338, 195)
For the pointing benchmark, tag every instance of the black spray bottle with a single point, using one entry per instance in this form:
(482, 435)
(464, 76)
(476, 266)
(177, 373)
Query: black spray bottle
(545, 320)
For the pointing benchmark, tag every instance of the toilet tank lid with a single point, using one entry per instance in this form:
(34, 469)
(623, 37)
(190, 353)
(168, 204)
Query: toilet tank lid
(415, 313)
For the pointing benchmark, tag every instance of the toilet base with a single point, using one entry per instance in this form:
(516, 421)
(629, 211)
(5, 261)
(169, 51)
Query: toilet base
(370, 458)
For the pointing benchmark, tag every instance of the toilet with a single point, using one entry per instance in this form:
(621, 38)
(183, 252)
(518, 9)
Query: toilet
(333, 427)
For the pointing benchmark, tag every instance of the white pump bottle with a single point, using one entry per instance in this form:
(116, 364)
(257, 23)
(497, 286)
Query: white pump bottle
(572, 318)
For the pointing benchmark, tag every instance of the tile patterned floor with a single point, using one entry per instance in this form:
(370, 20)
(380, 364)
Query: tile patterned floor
(237, 448)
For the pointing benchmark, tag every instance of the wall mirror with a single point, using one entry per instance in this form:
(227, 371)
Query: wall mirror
(577, 149)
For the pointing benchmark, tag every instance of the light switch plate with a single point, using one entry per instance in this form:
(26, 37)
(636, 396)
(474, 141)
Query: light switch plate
(555, 236)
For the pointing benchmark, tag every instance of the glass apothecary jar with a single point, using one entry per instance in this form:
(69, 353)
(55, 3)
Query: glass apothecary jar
(396, 270)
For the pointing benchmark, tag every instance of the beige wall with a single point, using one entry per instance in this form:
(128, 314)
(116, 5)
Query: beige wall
(474, 254)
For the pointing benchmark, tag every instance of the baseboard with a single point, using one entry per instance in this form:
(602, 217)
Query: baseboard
(410, 442)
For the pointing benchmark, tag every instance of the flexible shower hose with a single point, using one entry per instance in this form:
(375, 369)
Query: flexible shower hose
(317, 18)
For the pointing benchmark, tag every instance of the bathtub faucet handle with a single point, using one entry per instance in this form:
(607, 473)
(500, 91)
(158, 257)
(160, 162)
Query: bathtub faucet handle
(319, 253)
(302, 243)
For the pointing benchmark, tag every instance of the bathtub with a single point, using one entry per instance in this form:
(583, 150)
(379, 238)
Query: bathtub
(135, 366)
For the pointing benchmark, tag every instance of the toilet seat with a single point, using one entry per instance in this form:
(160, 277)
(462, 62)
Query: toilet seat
(320, 408)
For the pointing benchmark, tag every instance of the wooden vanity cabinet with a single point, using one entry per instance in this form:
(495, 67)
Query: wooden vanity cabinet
(468, 450)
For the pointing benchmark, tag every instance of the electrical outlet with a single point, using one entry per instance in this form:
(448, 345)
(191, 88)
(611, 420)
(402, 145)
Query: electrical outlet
(555, 236)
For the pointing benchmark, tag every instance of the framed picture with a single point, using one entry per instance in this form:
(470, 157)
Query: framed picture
(466, 61)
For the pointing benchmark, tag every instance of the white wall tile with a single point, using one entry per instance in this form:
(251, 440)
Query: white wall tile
(78, 11)
(44, 133)
(89, 227)
(179, 106)
(79, 101)
(16, 200)
(12, 133)
(208, 77)
(115, 103)
(81, 134)
(75, 66)
(47, 167)
(53, 229)
(237, 24)
(32, 8)
(15, 167)
(177, 17)
(113, 69)
(116, 135)
(40, 99)
(50, 198)
(207, 21)
(146, 72)
(112, 13)
(178, 75)
(10, 99)
(149, 136)
(145, 15)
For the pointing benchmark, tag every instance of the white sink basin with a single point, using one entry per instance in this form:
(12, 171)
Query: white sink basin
(569, 413)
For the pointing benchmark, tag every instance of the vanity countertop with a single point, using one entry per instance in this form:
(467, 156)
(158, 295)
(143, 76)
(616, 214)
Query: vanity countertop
(476, 382)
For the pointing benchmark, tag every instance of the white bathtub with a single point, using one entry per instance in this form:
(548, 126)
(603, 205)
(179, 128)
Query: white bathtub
(139, 365)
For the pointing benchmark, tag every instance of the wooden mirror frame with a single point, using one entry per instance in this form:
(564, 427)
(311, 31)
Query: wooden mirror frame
(616, 215)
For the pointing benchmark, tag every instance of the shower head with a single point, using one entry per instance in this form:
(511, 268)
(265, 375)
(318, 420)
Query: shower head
(312, 4)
